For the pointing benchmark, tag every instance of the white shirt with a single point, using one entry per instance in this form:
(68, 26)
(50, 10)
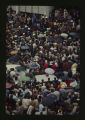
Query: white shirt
(34, 45)
(37, 113)
(25, 102)
(12, 73)
(73, 84)
(70, 48)
(41, 107)
(30, 110)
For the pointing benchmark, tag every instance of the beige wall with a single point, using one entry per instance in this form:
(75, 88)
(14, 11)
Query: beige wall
(22, 8)
(34, 9)
(28, 8)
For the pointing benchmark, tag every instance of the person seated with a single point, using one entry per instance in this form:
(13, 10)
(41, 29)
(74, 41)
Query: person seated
(45, 64)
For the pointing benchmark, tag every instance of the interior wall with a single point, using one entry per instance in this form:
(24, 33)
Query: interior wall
(34, 9)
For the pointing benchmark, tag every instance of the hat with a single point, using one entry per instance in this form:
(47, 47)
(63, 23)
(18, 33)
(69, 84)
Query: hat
(78, 99)
(13, 41)
(76, 93)
(41, 52)
(45, 61)
(54, 44)
(51, 85)
(46, 17)
(41, 47)
(23, 33)
(56, 64)
(52, 48)
(28, 28)
(19, 26)
(59, 80)
(15, 35)
(48, 29)
(69, 38)
(55, 50)
(33, 34)
(51, 63)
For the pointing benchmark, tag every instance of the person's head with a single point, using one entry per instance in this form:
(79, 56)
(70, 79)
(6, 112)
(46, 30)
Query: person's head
(42, 80)
(20, 103)
(48, 79)
(54, 78)
(32, 98)
(39, 100)
(60, 111)
(12, 69)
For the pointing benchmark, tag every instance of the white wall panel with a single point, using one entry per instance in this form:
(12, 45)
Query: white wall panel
(22, 8)
(28, 9)
(42, 9)
(13, 7)
(49, 9)
(35, 9)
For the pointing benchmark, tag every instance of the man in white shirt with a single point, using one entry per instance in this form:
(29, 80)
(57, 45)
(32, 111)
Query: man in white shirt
(41, 107)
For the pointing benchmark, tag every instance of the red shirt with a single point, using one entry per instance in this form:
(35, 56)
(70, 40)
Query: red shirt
(68, 28)
(54, 67)
(59, 87)
(68, 83)
(6, 104)
(65, 66)
(40, 60)
(45, 65)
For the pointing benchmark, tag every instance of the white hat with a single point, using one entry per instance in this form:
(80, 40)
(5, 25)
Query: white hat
(56, 64)
(59, 80)
(33, 34)
(15, 35)
(76, 93)
(55, 50)
(69, 38)
(41, 52)
(28, 28)
(52, 48)
(23, 33)
(51, 63)
(51, 85)
(49, 52)
(45, 60)
(41, 47)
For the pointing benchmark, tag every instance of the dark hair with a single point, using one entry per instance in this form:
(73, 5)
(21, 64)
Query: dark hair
(12, 69)
(20, 103)
(48, 79)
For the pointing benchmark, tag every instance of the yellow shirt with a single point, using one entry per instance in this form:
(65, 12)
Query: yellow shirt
(74, 66)
(55, 23)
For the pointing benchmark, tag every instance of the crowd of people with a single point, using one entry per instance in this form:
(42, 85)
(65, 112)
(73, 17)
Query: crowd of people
(37, 42)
